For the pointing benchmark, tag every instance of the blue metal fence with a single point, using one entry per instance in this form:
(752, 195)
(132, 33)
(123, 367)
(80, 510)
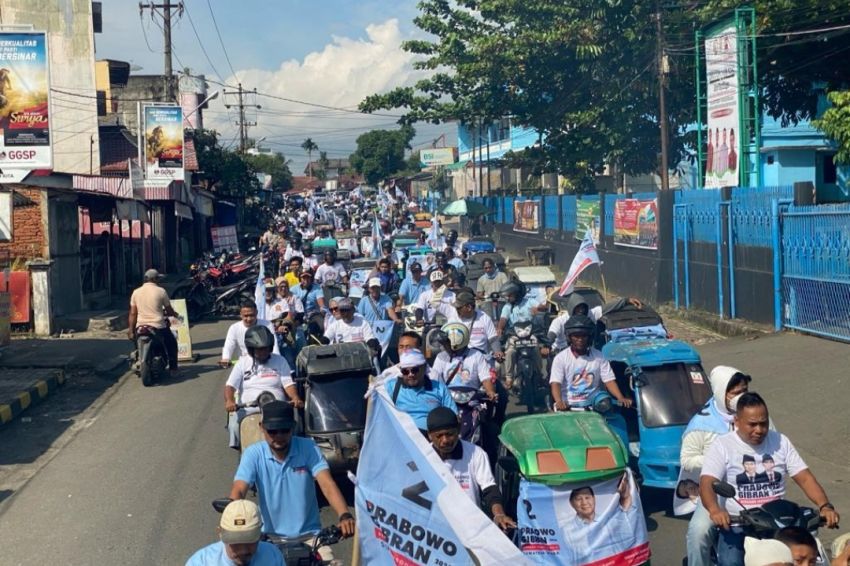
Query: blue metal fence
(816, 270)
(550, 212)
(608, 221)
(508, 216)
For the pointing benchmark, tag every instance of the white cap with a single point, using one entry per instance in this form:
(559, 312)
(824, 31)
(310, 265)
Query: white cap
(437, 275)
(240, 522)
(766, 553)
(375, 282)
(412, 359)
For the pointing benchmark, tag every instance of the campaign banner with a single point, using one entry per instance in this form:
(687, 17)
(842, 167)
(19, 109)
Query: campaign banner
(410, 509)
(587, 524)
(723, 146)
(181, 329)
(163, 137)
(357, 282)
(224, 239)
(686, 494)
(585, 257)
(527, 216)
(25, 141)
(636, 223)
(587, 218)
(383, 331)
(426, 260)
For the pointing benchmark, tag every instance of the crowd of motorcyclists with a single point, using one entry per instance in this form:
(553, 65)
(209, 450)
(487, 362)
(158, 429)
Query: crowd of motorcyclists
(447, 336)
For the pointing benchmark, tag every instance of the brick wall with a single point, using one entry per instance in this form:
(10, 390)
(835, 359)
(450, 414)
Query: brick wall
(28, 238)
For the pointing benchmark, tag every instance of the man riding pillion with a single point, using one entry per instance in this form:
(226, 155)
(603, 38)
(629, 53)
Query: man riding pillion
(149, 306)
(426, 306)
(259, 371)
(308, 293)
(519, 308)
(240, 529)
(468, 463)
(414, 285)
(386, 275)
(234, 343)
(377, 305)
(331, 272)
(482, 331)
(458, 364)
(283, 469)
(580, 371)
(740, 458)
(414, 393)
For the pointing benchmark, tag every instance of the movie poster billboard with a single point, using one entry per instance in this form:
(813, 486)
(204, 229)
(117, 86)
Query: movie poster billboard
(25, 141)
(587, 218)
(636, 223)
(163, 142)
(527, 216)
(589, 524)
(723, 144)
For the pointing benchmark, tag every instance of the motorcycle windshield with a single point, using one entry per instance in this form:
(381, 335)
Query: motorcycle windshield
(337, 405)
(672, 394)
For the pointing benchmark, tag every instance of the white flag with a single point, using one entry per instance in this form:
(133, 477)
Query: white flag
(585, 256)
(260, 291)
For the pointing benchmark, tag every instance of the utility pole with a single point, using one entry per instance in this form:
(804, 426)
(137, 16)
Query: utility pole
(242, 122)
(662, 98)
(166, 7)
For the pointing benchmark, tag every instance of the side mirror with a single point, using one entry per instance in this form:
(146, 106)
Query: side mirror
(638, 378)
(509, 464)
(220, 503)
(723, 489)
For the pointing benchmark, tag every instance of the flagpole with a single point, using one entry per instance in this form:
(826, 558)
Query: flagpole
(604, 286)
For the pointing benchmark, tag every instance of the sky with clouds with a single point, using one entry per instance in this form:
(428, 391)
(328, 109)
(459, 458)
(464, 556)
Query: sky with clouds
(325, 52)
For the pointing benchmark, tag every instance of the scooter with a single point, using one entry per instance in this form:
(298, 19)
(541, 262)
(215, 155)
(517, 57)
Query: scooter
(249, 427)
(528, 374)
(471, 406)
(295, 549)
(151, 355)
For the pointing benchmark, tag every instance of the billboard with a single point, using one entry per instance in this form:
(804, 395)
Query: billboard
(723, 148)
(587, 218)
(527, 216)
(163, 142)
(24, 101)
(636, 223)
(437, 156)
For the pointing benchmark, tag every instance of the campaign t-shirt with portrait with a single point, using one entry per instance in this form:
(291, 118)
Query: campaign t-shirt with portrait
(471, 469)
(481, 327)
(580, 376)
(340, 332)
(281, 307)
(469, 370)
(758, 473)
(250, 378)
(330, 273)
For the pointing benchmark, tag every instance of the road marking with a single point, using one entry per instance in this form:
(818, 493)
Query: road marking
(24, 399)
(5, 413)
(42, 388)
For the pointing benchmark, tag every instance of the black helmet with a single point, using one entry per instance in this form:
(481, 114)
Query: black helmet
(513, 288)
(258, 337)
(330, 252)
(387, 245)
(307, 248)
(579, 323)
(296, 238)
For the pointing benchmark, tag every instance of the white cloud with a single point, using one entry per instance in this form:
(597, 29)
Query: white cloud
(341, 75)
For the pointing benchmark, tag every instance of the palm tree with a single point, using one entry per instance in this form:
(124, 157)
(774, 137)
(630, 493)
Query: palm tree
(309, 146)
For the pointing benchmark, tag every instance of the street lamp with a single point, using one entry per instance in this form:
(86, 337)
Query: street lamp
(212, 96)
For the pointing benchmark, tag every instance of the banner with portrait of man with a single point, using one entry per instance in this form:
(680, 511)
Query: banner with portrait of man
(588, 524)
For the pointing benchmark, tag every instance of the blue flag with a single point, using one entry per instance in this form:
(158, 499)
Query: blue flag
(410, 508)
(383, 331)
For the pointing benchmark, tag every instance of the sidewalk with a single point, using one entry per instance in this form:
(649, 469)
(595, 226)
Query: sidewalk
(32, 368)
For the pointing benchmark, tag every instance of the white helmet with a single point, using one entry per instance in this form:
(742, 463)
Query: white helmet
(457, 334)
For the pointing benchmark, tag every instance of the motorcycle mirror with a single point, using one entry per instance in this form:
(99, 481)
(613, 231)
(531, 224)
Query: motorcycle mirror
(220, 503)
(437, 339)
(509, 464)
(723, 489)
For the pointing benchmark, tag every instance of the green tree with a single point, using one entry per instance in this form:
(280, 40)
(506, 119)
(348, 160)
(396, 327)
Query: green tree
(324, 163)
(225, 172)
(309, 146)
(835, 123)
(380, 153)
(274, 164)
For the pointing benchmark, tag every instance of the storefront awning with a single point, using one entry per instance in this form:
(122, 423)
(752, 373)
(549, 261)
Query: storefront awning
(457, 166)
(118, 187)
(182, 210)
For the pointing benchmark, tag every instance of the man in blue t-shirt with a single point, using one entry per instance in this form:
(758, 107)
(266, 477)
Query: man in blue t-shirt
(310, 295)
(375, 305)
(413, 285)
(283, 469)
(414, 393)
(240, 545)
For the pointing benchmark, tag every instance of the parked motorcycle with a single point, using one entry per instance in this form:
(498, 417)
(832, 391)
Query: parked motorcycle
(296, 550)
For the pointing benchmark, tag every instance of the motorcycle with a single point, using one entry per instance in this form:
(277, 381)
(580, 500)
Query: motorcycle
(151, 355)
(295, 549)
(249, 427)
(471, 407)
(528, 374)
(763, 522)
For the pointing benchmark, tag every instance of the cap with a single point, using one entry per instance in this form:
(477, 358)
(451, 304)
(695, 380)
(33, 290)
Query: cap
(375, 282)
(442, 418)
(766, 552)
(463, 299)
(437, 275)
(152, 275)
(240, 522)
(280, 280)
(278, 415)
(411, 359)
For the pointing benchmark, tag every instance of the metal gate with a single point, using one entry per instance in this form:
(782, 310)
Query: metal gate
(815, 280)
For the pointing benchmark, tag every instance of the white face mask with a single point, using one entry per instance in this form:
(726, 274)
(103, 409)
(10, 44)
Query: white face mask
(733, 402)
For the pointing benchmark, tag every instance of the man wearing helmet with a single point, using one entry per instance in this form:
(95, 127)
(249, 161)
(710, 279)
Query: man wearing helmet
(519, 308)
(261, 370)
(576, 305)
(293, 248)
(331, 272)
(580, 371)
(458, 364)
(310, 263)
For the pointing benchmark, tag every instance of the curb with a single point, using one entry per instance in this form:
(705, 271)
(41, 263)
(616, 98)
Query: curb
(23, 400)
(731, 328)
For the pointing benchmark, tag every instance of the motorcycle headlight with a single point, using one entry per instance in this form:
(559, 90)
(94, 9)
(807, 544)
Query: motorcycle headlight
(602, 402)
(523, 331)
(461, 397)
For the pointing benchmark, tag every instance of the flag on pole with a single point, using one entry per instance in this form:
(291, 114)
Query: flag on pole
(434, 239)
(376, 239)
(260, 291)
(585, 256)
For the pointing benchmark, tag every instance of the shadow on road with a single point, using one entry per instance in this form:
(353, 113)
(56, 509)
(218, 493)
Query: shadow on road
(5, 494)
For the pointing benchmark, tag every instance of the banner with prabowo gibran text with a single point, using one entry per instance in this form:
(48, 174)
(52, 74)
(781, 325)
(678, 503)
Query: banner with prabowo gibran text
(25, 141)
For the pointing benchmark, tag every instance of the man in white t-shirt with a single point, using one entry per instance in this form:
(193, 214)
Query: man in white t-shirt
(580, 371)
(738, 458)
(350, 327)
(234, 342)
(259, 371)
(468, 463)
(482, 331)
(331, 272)
(426, 305)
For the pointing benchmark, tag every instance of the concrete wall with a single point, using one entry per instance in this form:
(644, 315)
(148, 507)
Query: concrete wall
(147, 87)
(73, 117)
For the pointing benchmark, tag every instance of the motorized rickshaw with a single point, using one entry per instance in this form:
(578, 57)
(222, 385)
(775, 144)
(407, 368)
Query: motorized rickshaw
(667, 381)
(348, 240)
(422, 219)
(333, 379)
(546, 460)
(478, 245)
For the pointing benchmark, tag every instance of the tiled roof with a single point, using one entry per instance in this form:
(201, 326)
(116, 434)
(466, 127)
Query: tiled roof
(116, 147)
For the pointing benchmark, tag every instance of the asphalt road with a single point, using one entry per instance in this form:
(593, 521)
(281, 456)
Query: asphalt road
(131, 482)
